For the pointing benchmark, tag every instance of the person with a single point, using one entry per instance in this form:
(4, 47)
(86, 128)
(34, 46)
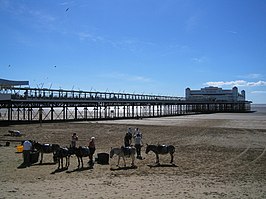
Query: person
(92, 149)
(27, 146)
(128, 138)
(138, 144)
(137, 131)
(74, 140)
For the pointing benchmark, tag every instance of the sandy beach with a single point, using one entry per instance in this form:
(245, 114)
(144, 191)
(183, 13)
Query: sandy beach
(220, 155)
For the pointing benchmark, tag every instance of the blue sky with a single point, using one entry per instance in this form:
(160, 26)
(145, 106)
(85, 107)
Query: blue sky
(135, 46)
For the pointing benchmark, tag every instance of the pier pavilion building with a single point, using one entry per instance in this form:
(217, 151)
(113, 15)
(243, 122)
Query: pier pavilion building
(215, 94)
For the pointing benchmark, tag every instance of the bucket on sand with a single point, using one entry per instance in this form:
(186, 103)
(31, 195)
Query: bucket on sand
(19, 148)
(103, 158)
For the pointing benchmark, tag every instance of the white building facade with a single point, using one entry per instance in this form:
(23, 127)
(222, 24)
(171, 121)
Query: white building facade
(215, 94)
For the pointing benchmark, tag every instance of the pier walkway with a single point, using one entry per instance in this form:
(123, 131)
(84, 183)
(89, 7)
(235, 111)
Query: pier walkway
(29, 105)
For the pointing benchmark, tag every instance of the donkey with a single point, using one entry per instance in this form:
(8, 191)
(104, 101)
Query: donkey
(81, 152)
(45, 148)
(161, 149)
(59, 156)
(124, 152)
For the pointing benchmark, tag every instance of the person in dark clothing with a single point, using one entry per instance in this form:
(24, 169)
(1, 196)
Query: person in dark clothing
(128, 139)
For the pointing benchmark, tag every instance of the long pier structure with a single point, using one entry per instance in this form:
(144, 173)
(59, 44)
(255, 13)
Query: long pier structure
(31, 105)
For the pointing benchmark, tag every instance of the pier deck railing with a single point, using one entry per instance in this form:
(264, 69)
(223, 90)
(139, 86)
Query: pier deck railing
(52, 94)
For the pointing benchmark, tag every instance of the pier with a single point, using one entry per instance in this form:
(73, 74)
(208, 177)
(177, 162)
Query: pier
(32, 105)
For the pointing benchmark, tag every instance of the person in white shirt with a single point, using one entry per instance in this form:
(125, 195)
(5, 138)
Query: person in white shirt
(27, 146)
(138, 144)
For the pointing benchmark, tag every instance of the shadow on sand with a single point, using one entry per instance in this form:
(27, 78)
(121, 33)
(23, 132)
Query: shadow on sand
(59, 170)
(23, 166)
(80, 169)
(161, 165)
(43, 164)
(123, 168)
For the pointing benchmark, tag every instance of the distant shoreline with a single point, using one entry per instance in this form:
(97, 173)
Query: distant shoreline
(258, 105)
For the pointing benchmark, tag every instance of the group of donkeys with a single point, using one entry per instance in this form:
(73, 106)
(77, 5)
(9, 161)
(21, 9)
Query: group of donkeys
(59, 153)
